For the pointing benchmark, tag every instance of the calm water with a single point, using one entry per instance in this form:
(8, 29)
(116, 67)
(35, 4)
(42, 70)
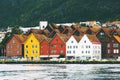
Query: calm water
(60, 72)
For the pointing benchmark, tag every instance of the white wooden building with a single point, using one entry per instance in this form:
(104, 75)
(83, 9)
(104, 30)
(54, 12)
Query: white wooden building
(89, 48)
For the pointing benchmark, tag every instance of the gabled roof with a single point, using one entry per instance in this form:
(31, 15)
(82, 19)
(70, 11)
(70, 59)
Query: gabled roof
(92, 38)
(70, 30)
(36, 31)
(106, 30)
(20, 38)
(83, 29)
(40, 37)
(63, 37)
(117, 38)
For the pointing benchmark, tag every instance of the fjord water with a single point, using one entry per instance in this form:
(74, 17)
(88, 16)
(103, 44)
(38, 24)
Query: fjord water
(59, 71)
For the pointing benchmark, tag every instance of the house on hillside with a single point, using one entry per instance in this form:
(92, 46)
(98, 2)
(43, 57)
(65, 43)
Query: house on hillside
(113, 48)
(72, 47)
(104, 36)
(14, 46)
(32, 47)
(58, 45)
(44, 53)
(89, 48)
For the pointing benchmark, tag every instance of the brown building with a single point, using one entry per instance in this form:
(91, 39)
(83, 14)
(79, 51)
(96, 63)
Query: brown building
(14, 46)
(113, 47)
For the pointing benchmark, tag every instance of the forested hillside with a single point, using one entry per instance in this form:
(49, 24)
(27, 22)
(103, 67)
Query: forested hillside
(30, 12)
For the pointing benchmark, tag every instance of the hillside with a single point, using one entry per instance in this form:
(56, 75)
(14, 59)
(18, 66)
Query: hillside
(30, 12)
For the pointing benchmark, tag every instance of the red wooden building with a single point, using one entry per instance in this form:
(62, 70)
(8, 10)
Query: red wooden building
(44, 54)
(58, 45)
(14, 46)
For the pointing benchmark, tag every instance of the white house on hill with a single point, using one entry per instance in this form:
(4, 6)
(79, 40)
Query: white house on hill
(72, 47)
(89, 48)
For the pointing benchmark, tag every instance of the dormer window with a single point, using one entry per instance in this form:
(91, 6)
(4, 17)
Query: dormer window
(13, 41)
(31, 41)
(71, 41)
(102, 33)
(84, 41)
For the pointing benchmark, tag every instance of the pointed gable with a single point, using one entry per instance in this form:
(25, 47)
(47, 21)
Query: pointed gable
(20, 38)
(93, 38)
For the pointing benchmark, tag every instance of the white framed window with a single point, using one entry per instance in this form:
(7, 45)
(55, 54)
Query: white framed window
(13, 41)
(108, 45)
(115, 45)
(116, 50)
(109, 51)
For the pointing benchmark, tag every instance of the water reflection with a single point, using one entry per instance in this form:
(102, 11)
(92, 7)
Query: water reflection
(59, 72)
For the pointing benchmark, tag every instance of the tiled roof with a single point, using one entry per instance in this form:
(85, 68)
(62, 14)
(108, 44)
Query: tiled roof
(92, 38)
(83, 29)
(21, 38)
(117, 38)
(40, 37)
(95, 30)
(118, 31)
(63, 37)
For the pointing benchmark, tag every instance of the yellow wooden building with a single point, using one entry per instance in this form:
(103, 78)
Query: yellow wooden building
(32, 47)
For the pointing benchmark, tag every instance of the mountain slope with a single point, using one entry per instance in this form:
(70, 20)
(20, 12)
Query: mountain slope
(30, 12)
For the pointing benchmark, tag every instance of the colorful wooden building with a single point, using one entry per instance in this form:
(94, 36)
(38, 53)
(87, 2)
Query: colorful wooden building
(14, 46)
(58, 45)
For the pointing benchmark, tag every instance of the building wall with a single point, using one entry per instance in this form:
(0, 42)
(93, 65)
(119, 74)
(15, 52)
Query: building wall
(13, 48)
(85, 48)
(32, 48)
(57, 47)
(71, 48)
(44, 48)
(113, 49)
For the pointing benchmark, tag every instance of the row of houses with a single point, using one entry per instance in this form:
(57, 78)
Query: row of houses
(73, 42)
(38, 46)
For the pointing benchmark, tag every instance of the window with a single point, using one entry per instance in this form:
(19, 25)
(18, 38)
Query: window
(102, 33)
(61, 45)
(61, 51)
(32, 46)
(116, 50)
(26, 51)
(115, 45)
(9, 52)
(84, 41)
(13, 41)
(82, 51)
(71, 41)
(36, 46)
(53, 51)
(74, 52)
(76, 46)
(109, 51)
(8, 46)
(18, 52)
(31, 41)
(68, 47)
(73, 46)
(33, 51)
(36, 51)
(26, 46)
(56, 40)
(108, 45)
(67, 51)
(18, 46)
(54, 46)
